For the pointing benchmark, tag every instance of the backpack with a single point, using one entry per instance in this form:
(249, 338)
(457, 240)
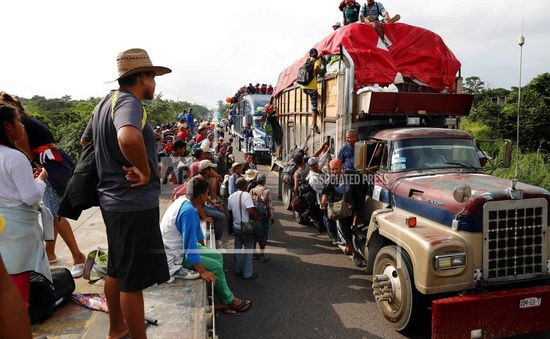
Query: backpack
(267, 128)
(305, 73)
(259, 205)
(224, 188)
(288, 172)
(46, 297)
(307, 192)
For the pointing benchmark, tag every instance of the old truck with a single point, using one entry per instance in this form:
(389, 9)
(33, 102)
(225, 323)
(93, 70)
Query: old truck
(249, 111)
(437, 231)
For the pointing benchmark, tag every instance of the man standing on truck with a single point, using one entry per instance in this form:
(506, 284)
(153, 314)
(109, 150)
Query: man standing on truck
(311, 88)
(371, 11)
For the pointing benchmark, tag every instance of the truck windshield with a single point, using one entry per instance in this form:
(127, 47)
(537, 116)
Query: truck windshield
(259, 101)
(421, 154)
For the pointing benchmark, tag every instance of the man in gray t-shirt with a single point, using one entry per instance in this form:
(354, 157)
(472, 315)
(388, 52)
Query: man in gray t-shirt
(129, 188)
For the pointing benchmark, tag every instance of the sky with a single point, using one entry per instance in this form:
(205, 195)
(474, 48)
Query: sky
(60, 47)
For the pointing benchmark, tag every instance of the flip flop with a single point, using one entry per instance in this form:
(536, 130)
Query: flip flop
(244, 306)
(77, 270)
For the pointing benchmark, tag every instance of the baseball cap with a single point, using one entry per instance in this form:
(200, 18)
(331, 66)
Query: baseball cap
(312, 161)
(204, 164)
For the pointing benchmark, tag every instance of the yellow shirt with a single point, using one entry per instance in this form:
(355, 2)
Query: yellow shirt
(2, 223)
(313, 83)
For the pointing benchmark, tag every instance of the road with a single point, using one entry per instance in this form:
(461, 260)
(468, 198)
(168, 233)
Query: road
(308, 289)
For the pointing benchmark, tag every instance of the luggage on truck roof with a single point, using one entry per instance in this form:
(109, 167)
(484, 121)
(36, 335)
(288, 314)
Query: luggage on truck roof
(410, 51)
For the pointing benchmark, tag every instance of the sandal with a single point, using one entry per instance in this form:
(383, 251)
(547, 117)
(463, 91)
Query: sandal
(242, 307)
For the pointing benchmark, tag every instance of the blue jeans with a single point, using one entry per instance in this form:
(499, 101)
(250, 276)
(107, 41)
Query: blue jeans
(219, 220)
(246, 240)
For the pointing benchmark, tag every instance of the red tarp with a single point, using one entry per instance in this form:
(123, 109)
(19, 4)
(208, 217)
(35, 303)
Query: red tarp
(414, 52)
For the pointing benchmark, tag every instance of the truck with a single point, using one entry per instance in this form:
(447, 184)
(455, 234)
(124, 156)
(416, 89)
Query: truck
(437, 232)
(249, 110)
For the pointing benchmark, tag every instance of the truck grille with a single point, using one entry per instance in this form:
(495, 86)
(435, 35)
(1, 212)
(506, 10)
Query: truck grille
(514, 239)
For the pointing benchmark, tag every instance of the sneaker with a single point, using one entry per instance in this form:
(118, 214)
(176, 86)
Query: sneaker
(186, 274)
(315, 129)
(254, 276)
(77, 270)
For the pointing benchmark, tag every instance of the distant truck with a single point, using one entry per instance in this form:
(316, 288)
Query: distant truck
(249, 110)
(437, 232)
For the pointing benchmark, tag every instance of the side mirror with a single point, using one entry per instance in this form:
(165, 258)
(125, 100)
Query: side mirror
(507, 162)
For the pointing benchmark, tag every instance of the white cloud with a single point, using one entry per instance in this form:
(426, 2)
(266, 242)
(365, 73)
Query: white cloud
(69, 47)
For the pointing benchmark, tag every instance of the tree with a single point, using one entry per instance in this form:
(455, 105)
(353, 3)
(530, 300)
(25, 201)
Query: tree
(473, 85)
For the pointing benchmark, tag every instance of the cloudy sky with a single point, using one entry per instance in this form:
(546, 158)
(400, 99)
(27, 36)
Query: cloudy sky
(61, 47)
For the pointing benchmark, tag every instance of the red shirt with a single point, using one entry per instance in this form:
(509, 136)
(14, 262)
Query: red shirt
(182, 135)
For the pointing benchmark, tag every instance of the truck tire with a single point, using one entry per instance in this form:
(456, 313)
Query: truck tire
(400, 304)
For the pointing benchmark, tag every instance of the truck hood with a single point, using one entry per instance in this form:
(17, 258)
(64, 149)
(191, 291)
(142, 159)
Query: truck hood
(431, 196)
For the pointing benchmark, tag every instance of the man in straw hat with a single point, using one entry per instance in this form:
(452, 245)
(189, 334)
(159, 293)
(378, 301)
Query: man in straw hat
(236, 173)
(129, 189)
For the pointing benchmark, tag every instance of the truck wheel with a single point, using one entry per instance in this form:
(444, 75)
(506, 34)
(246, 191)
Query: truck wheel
(393, 288)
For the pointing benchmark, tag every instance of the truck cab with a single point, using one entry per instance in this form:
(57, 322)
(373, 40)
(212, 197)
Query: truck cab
(433, 225)
(249, 111)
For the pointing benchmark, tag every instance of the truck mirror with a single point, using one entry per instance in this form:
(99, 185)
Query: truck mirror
(507, 162)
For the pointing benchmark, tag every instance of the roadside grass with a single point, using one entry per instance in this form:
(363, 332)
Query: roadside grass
(533, 167)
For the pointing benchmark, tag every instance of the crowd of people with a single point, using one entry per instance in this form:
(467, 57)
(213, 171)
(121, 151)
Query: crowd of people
(131, 161)
(250, 89)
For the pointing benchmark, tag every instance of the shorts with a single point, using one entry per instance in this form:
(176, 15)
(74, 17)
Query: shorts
(51, 199)
(136, 251)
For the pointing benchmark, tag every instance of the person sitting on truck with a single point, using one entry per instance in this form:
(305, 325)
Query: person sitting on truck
(186, 249)
(336, 25)
(270, 89)
(311, 88)
(372, 10)
(350, 10)
(346, 154)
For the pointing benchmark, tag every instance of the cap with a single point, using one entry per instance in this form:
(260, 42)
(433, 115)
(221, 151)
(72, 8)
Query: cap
(204, 164)
(337, 24)
(312, 161)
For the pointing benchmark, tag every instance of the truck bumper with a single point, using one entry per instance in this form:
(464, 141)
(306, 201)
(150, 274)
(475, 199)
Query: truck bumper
(262, 153)
(494, 314)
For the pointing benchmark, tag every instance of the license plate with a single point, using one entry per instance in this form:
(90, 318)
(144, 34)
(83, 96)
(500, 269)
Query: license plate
(530, 302)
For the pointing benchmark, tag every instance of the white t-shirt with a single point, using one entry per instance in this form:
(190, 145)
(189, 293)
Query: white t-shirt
(17, 185)
(233, 205)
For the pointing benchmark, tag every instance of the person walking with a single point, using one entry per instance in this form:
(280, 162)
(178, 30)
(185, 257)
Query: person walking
(129, 189)
(242, 208)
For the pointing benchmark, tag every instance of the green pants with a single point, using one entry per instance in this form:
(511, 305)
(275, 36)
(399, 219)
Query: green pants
(212, 261)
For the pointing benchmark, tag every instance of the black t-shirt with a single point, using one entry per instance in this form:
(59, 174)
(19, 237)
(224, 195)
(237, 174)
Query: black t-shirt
(39, 134)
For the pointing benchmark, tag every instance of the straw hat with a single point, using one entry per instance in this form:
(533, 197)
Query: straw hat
(250, 174)
(235, 165)
(137, 60)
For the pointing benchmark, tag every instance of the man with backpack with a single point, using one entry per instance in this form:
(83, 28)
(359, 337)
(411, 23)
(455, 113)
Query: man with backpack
(371, 11)
(309, 71)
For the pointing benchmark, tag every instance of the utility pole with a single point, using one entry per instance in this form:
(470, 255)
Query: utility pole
(521, 42)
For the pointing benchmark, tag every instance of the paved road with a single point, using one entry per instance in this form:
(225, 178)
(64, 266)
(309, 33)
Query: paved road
(308, 289)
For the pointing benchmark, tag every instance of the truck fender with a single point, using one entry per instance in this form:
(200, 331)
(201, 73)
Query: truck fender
(422, 243)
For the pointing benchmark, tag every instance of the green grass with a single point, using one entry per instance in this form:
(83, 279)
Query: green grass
(533, 168)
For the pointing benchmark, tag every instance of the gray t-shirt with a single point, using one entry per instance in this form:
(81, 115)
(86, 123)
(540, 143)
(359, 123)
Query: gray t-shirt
(115, 193)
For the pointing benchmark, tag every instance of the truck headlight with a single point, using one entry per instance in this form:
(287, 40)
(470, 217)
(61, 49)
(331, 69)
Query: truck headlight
(449, 261)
